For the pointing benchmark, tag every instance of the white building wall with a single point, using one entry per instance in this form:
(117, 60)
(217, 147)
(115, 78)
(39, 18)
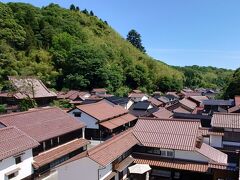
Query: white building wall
(129, 104)
(206, 140)
(104, 172)
(8, 165)
(144, 98)
(215, 141)
(190, 155)
(85, 169)
(88, 120)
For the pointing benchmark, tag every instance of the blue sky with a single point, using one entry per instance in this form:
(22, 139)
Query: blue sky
(185, 32)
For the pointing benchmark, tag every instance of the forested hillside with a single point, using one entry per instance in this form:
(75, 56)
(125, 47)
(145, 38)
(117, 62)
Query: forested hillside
(207, 77)
(75, 49)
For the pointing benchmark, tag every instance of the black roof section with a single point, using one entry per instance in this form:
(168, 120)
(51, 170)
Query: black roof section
(205, 119)
(117, 100)
(141, 105)
(213, 102)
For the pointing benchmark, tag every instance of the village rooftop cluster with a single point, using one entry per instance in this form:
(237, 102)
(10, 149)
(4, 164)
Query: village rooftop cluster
(176, 135)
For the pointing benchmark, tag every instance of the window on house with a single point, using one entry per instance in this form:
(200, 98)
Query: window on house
(77, 114)
(12, 175)
(165, 153)
(18, 159)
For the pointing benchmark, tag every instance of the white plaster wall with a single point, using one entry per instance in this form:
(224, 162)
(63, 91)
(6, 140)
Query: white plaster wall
(129, 104)
(144, 98)
(190, 155)
(104, 172)
(215, 141)
(206, 140)
(82, 169)
(88, 120)
(8, 165)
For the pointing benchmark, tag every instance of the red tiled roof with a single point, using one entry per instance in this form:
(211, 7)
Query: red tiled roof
(198, 98)
(102, 110)
(226, 120)
(208, 131)
(14, 141)
(24, 86)
(155, 101)
(42, 124)
(99, 90)
(118, 121)
(113, 148)
(234, 109)
(167, 133)
(191, 93)
(136, 95)
(57, 152)
(175, 164)
(213, 154)
(181, 110)
(73, 94)
(189, 104)
(237, 100)
(163, 113)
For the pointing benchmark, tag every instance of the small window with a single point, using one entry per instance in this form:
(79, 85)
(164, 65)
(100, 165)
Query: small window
(13, 175)
(18, 159)
(169, 153)
(77, 114)
(163, 153)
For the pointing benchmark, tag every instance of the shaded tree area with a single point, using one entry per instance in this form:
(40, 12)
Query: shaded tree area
(206, 77)
(233, 88)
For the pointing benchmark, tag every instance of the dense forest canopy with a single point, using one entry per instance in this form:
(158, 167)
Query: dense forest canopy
(69, 48)
(207, 77)
(233, 87)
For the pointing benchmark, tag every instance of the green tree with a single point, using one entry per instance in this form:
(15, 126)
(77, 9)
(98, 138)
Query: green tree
(135, 39)
(72, 7)
(91, 13)
(234, 86)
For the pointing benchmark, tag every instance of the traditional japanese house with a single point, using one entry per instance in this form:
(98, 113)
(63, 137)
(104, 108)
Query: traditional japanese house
(59, 135)
(27, 87)
(102, 119)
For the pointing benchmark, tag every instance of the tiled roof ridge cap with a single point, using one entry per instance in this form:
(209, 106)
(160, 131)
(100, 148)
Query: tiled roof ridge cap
(29, 111)
(168, 119)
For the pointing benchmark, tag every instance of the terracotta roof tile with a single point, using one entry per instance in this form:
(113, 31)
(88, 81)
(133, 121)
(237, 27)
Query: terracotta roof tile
(14, 141)
(102, 110)
(189, 104)
(111, 149)
(167, 133)
(99, 90)
(175, 164)
(118, 121)
(136, 95)
(57, 152)
(199, 99)
(42, 124)
(213, 154)
(163, 113)
(155, 101)
(226, 120)
(237, 100)
(181, 110)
